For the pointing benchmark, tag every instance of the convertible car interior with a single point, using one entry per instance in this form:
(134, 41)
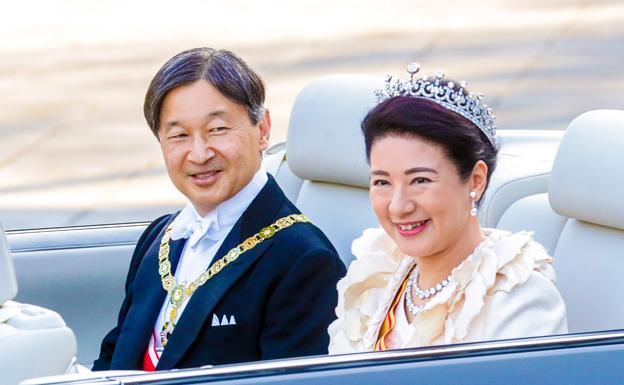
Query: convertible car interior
(565, 186)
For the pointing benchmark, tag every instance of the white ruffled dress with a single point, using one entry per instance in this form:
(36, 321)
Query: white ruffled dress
(504, 289)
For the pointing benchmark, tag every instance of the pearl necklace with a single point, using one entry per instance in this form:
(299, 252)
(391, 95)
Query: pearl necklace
(421, 293)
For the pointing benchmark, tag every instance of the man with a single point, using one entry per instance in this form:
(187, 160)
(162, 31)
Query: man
(238, 274)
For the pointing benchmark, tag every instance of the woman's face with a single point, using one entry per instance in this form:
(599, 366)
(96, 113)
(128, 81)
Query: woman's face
(418, 196)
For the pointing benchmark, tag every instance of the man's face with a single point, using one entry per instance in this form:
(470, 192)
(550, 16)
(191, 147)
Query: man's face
(211, 148)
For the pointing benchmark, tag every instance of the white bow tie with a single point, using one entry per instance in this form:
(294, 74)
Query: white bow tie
(198, 230)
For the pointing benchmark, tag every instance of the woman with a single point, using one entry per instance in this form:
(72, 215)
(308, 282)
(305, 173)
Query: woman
(431, 275)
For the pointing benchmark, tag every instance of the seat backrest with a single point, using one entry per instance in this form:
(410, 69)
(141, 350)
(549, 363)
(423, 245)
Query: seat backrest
(533, 213)
(523, 168)
(276, 163)
(325, 149)
(517, 198)
(586, 186)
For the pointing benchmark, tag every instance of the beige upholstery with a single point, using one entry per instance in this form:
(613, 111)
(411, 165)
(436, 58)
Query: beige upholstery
(523, 169)
(33, 341)
(586, 181)
(589, 261)
(276, 163)
(533, 213)
(342, 212)
(587, 185)
(325, 143)
(326, 150)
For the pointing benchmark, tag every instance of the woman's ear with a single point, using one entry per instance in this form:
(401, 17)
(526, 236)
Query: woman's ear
(478, 178)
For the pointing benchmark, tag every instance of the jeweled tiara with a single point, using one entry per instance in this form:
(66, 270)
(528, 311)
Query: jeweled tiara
(446, 93)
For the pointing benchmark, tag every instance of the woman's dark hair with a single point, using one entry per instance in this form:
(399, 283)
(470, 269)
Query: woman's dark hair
(225, 71)
(462, 141)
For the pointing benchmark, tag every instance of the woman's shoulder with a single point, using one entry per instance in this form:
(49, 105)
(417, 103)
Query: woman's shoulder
(375, 255)
(518, 255)
(508, 273)
(363, 291)
(503, 260)
(529, 274)
(508, 244)
(374, 242)
(534, 308)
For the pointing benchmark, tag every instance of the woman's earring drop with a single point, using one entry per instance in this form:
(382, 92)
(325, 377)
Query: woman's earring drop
(473, 205)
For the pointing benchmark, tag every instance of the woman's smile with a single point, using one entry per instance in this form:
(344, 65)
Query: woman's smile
(409, 229)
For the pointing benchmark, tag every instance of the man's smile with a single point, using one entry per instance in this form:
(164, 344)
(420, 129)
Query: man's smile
(205, 178)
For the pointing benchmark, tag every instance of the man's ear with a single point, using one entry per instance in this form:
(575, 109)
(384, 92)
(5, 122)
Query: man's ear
(265, 130)
(478, 178)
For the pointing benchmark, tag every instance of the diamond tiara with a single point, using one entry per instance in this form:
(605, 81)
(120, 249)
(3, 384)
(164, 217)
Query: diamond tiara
(445, 93)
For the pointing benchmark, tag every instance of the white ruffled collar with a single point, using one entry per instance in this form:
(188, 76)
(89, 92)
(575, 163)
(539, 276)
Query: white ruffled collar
(375, 277)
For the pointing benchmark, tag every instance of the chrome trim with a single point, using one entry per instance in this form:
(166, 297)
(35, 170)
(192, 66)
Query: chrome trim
(15, 252)
(449, 351)
(77, 228)
(58, 380)
(75, 238)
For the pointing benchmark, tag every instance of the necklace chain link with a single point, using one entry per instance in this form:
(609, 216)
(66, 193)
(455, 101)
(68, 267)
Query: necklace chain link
(178, 293)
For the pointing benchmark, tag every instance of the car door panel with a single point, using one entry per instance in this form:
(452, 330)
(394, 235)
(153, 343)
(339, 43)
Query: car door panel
(78, 272)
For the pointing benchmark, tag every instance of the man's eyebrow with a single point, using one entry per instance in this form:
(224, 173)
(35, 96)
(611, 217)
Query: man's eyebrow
(212, 114)
(420, 169)
(171, 124)
(216, 113)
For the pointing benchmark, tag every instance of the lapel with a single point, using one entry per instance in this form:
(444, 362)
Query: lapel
(261, 212)
(148, 298)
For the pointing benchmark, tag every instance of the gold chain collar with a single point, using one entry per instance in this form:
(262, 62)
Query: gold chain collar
(178, 293)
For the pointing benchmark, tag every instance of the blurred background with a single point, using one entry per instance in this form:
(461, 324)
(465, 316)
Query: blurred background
(75, 148)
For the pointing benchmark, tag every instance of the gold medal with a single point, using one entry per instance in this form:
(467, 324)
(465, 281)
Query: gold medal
(166, 332)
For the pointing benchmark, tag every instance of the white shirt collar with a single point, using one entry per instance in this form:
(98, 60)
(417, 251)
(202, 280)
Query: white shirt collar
(218, 222)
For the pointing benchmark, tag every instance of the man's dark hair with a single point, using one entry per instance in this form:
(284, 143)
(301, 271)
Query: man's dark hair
(225, 71)
(460, 139)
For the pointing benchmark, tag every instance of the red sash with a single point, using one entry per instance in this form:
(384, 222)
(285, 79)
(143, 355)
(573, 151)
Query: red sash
(150, 359)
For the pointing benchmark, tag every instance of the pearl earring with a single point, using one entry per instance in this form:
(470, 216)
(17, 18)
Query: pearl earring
(473, 205)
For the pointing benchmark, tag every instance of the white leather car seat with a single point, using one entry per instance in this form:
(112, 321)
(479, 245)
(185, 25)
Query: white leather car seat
(517, 198)
(275, 162)
(533, 213)
(587, 187)
(33, 341)
(325, 149)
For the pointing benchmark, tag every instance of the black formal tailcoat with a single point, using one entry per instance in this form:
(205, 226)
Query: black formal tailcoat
(282, 294)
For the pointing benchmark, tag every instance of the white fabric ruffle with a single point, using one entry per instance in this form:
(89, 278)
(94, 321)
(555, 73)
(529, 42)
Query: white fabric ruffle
(498, 267)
